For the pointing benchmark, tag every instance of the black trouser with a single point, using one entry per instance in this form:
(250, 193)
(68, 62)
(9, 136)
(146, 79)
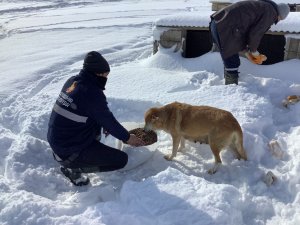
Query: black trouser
(99, 158)
(232, 63)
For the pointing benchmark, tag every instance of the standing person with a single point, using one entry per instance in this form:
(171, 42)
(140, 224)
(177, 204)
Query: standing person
(78, 116)
(240, 27)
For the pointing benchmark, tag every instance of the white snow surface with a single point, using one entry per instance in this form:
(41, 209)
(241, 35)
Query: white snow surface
(43, 43)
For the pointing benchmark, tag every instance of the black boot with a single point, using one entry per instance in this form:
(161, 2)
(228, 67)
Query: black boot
(231, 77)
(75, 176)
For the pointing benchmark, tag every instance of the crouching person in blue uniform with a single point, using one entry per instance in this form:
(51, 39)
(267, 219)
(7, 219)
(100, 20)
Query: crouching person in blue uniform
(79, 115)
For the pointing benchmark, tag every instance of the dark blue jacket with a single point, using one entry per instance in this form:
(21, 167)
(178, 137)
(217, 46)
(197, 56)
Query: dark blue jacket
(79, 114)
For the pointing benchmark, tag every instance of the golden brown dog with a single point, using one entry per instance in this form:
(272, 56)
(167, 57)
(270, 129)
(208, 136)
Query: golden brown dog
(203, 124)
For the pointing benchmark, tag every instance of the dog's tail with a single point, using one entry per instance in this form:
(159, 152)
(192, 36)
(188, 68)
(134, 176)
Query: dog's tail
(238, 144)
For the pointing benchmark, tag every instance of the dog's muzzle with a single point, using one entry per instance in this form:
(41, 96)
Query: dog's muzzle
(148, 127)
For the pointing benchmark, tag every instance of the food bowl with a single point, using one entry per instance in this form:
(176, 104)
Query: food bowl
(149, 137)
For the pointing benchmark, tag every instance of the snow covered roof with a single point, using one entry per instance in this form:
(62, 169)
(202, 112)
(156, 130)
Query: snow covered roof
(276, 1)
(201, 20)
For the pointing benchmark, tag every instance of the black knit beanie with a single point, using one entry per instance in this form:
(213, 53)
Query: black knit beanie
(95, 63)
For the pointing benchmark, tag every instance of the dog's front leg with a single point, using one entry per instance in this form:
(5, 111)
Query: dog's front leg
(182, 144)
(176, 140)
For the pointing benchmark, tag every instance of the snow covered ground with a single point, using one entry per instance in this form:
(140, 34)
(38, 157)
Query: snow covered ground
(43, 43)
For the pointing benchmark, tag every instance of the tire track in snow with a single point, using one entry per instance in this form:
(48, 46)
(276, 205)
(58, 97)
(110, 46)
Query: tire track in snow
(47, 28)
(52, 6)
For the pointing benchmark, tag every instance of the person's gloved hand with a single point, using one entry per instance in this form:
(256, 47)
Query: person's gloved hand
(256, 57)
(135, 141)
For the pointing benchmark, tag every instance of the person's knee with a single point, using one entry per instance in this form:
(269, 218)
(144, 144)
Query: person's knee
(124, 160)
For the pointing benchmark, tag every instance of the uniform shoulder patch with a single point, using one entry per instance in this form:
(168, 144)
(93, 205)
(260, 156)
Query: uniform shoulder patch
(72, 87)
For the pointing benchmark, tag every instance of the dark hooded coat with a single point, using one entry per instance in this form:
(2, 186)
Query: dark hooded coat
(242, 25)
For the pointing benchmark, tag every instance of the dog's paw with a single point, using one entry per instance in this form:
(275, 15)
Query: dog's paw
(211, 171)
(168, 157)
(214, 169)
(181, 149)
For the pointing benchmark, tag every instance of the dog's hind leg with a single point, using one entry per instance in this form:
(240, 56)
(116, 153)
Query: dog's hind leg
(216, 151)
(241, 151)
(176, 141)
(238, 146)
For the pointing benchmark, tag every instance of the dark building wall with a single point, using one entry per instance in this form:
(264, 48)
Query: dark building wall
(198, 42)
(273, 47)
